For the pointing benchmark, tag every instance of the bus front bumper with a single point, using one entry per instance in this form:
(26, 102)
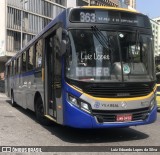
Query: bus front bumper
(77, 118)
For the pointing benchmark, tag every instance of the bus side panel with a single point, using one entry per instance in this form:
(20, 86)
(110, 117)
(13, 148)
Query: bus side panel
(29, 84)
(30, 91)
(17, 90)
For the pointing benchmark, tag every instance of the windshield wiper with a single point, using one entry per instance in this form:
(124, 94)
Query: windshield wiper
(104, 41)
(137, 40)
(136, 46)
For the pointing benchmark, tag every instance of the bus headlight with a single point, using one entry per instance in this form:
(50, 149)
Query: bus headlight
(152, 104)
(85, 106)
(79, 103)
(73, 100)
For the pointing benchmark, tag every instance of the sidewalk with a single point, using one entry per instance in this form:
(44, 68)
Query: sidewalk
(2, 95)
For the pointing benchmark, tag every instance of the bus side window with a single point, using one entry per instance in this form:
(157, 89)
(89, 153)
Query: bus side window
(17, 61)
(24, 62)
(13, 68)
(30, 58)
(57, 46)
(10, 68)
(39, 54)
(19, 65)
(58, 66)
(7, 72)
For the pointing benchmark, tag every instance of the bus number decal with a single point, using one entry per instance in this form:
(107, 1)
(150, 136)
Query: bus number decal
(87, 17)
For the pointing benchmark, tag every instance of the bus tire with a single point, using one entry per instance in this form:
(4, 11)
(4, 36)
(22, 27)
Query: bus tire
(39, 110)
(13, 103)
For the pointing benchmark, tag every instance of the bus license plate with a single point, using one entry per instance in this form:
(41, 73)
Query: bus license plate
(124, 118)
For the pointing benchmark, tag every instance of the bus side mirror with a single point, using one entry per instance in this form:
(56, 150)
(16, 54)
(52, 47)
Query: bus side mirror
(63, 47)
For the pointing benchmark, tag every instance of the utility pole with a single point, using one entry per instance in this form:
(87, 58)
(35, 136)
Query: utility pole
(22, 24)
(22, 9)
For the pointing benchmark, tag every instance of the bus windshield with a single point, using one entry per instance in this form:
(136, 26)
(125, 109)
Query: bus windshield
(96, 55)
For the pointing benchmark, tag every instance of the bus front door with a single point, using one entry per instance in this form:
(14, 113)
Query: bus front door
(53, 68)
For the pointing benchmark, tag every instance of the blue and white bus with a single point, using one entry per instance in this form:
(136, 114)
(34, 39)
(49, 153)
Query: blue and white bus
(91, 67)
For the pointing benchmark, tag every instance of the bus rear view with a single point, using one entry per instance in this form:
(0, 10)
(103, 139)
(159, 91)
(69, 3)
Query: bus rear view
(109, 73)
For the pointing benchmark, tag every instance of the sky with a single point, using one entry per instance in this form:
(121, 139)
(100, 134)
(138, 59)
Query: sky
(149, 7)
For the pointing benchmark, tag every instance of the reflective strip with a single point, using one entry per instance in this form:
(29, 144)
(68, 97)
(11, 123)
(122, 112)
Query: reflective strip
(50, 118)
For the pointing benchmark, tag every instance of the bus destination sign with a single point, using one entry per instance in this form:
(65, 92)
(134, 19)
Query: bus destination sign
(109, 16)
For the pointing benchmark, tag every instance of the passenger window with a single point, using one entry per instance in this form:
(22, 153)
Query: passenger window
(19, 65)
(24, 62)
(17, 68)
(30, 58)
(39, 54)
(12, 68)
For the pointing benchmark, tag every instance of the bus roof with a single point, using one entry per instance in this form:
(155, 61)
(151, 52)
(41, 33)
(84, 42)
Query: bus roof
(110, 8)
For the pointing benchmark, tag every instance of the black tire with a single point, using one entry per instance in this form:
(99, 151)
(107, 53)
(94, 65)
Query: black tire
(39, 109)
(13, 103)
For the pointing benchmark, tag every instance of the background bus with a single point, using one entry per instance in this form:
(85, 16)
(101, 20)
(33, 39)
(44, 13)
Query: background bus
(91, 67)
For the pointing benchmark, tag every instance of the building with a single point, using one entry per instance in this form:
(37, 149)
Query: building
(131, 3)
(156, 34)
(83, 2)
(21, 20)
(157, 20)
(73, 3)
(113, 3)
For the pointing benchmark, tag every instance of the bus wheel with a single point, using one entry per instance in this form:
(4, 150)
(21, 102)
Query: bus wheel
(39, 109)
(13, 103)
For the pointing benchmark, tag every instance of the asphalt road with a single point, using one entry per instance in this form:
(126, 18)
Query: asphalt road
(18, 127)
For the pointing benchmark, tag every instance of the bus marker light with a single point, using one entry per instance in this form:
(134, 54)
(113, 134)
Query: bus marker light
(59, 107)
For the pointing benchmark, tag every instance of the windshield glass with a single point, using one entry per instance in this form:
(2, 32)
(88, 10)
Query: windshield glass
(95, 55)
(136, 51)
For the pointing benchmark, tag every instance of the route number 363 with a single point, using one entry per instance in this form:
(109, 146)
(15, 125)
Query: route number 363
(87, 17)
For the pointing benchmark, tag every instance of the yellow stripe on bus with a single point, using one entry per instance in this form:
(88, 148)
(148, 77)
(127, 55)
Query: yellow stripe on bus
(115, 99)
(109, 8)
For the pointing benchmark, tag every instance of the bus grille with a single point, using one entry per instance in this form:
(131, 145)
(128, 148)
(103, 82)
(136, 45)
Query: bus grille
(119, 91)
(110, 116)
